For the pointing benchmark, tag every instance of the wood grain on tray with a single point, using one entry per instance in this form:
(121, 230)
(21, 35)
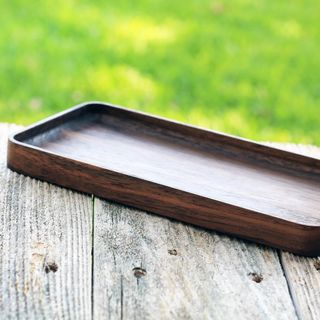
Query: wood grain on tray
(190, 174)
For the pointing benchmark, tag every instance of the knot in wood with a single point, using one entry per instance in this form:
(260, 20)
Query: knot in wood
(50, 266)
(256, 277)
(139, 272)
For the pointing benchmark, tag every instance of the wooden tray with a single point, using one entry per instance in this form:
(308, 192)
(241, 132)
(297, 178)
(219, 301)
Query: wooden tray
(194, 175)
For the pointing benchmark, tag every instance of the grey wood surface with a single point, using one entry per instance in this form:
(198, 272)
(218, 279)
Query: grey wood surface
(45, 248)
(303, 274)
(64, 255)
(207, 276)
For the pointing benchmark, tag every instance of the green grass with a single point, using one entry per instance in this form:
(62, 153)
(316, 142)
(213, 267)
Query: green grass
(250, 68)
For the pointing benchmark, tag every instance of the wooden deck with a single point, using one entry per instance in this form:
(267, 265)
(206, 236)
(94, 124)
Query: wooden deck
(73, 256)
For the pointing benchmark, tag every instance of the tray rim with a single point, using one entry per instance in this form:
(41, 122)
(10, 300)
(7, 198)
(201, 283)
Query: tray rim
(93, 104)
(14, 139)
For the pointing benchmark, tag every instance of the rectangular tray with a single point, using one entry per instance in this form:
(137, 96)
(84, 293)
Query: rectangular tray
(179, 171)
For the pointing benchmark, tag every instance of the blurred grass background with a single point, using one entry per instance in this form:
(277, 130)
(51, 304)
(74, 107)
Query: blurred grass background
(250, 68)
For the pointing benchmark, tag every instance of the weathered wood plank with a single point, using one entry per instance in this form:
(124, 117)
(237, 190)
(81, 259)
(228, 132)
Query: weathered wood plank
(303, 274)
(45, 248)
(150, 267)
(144, 266)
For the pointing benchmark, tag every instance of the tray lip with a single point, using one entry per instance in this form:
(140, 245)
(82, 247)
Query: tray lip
(93, 104)
(13, 139)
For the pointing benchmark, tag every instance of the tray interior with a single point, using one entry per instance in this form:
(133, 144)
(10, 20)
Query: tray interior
(124, 145)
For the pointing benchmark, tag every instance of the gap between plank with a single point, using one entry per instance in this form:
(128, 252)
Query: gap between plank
(289, 286)
(92, 257)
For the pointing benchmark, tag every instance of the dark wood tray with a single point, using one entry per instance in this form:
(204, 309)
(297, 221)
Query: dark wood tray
(194, 175)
